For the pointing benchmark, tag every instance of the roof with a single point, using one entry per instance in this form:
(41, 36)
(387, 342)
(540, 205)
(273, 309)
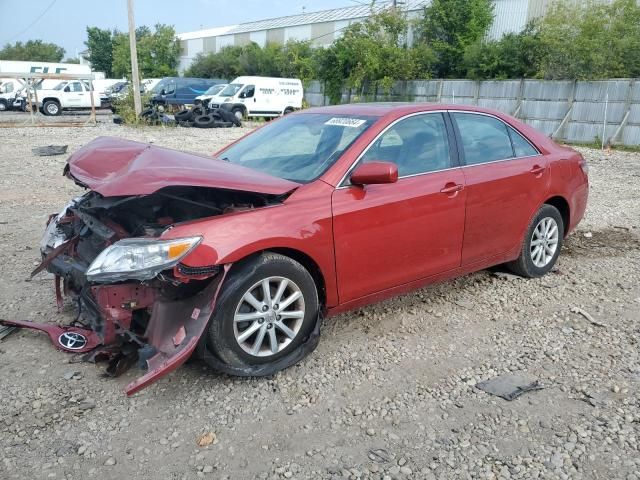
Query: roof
(335, 14)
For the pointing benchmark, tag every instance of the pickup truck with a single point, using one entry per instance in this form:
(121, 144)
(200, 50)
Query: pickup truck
(72, 94)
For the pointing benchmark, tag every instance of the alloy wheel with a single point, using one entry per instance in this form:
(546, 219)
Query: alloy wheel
(269, 316)
(544, 242)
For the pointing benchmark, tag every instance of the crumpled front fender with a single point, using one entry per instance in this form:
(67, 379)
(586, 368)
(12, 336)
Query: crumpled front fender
(175, 340)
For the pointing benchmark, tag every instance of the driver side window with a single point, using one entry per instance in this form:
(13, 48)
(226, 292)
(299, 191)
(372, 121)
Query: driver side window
(249, 91)
(418, 144)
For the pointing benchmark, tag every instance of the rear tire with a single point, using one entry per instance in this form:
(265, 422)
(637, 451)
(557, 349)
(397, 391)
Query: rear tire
(4, 106)
(541, 244)
(282, 330)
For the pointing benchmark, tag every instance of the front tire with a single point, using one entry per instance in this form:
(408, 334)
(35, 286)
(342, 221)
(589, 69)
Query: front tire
(3, 105)
(541, 245)
(267, 308)
(239, 113)
(51, 107)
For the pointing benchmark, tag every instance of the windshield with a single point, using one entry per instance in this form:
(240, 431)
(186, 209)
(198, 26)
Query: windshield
(231, 89)
(298, 147)
(214, 90)
(60, 86)
(159, 86)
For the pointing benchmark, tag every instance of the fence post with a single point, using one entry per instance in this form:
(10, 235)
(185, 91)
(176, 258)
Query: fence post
(439, 97)
(560, 130)
(516, 112)
(477, 93)
(627, 107)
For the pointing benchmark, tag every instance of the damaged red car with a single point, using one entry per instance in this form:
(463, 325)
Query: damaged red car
(237, 257)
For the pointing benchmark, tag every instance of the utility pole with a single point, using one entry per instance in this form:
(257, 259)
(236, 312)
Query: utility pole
(134, 59)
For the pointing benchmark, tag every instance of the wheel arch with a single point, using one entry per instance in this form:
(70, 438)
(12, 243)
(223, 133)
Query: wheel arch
(50, 99)
(303, 259)
(563, 207)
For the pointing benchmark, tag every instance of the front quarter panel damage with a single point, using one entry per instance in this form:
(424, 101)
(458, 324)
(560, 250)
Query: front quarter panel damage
(174, 330)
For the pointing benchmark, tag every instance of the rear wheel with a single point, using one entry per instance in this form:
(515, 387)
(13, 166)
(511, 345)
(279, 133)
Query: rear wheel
(267, 308)
(3, 105)
(51, 107)
(541, 245)
(288, 110)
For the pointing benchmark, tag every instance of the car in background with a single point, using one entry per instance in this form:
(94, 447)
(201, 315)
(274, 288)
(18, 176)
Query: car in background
(209, 94)
(238, 257)
(266, 97)
(181, 90)
(66, 95)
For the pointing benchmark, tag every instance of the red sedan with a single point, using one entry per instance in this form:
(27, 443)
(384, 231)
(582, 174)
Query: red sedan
(325, 210)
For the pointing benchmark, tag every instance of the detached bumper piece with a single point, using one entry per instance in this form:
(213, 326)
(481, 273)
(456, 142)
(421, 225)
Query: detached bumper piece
(170, 336)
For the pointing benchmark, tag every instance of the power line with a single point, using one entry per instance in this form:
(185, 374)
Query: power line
(34, 22)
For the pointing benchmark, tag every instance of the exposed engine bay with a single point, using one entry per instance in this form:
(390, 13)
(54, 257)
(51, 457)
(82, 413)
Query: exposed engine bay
(154, 316)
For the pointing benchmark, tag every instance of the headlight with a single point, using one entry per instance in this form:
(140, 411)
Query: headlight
(139, 258)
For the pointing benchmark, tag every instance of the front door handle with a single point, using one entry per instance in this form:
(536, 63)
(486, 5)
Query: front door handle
(537, 170)
(451, 187)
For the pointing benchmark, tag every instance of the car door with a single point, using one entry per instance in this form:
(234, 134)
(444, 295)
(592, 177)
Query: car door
(391, 234)
(249, 98)
(506, 180)
(74, 95)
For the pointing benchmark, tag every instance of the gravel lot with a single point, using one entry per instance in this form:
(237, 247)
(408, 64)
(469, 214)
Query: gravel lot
(389, 393)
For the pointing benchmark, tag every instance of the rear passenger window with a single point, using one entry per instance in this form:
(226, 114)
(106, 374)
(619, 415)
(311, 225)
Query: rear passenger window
(484, 139)
(521, 147)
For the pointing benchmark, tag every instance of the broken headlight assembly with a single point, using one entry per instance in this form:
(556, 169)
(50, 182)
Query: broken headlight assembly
(139, 258)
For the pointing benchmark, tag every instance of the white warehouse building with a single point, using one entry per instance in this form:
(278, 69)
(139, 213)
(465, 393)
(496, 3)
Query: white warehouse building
(323, 27)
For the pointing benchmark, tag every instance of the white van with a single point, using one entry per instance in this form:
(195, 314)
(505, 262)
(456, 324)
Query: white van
(260, 96)
(209, 94)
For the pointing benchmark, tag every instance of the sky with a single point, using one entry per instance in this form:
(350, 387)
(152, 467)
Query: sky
(64, 22)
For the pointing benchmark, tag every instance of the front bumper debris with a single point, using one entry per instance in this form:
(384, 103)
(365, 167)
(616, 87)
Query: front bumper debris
(171, 335)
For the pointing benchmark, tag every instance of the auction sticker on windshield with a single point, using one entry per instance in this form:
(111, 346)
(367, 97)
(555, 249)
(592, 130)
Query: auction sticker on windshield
(345, 122)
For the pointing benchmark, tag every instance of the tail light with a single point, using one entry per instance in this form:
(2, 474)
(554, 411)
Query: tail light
(583, 165)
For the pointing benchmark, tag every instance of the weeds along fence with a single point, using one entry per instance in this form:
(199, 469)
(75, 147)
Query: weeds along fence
(604, 112)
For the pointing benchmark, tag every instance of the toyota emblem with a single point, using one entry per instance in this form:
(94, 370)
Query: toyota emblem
(72, 340)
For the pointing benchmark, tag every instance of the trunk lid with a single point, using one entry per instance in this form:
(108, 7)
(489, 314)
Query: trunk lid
(117, 167)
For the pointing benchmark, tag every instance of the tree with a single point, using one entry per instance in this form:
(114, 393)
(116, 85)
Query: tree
(372, 52)
(72, 60)
(516, 55)
(100, 45)
(34, 50)
(590, 41)
(449, 27)
(158, 52)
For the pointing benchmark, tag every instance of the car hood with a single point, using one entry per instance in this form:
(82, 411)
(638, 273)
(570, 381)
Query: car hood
(116, 167)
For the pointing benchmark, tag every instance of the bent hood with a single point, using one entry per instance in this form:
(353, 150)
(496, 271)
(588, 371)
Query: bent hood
(116, 167)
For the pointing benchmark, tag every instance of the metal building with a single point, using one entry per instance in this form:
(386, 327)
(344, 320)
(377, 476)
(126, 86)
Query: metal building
(323, 27)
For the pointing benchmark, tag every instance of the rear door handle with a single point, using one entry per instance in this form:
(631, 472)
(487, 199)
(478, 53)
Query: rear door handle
(451, 187)
(537, 170)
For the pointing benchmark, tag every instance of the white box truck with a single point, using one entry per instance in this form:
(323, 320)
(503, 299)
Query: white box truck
(260, 96)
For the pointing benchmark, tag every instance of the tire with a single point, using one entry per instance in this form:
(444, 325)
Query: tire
(147, 112)
(197, 111)
(541, 245)
(228, 116)
(287, 111)
(183, 116)
(224, 336)
(51, 107)
(182, 123)
(4, 106)
(238, 112)
(204, 121)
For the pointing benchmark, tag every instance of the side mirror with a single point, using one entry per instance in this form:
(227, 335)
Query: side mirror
(163, 92)
(67, 89)
(242, 95)
(375, 172)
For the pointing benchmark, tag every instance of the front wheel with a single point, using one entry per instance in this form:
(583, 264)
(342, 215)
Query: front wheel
(267, 309)
(51, 107)
(541, 245)
(3, 105)
(238, 112)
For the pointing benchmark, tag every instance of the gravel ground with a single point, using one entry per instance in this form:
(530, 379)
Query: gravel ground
(389, 393)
